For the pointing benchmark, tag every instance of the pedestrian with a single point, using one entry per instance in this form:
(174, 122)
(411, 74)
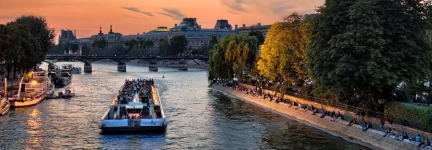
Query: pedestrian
(391, 123)
(358, 114)
(382, 123)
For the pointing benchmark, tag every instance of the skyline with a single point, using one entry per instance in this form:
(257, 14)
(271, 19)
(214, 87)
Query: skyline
(138, 16)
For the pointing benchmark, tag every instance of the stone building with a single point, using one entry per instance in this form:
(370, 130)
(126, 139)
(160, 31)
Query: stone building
(198, 36)
(258, 27)
(66, 36)
(160, 33)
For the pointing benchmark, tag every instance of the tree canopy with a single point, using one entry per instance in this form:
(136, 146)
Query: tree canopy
(283, 54)
(100, 44)
(259, 35)
(177, 45)
(233, 54)
(25, 42)
(362, 49)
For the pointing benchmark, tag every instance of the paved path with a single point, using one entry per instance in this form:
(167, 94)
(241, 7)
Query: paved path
(371, 137)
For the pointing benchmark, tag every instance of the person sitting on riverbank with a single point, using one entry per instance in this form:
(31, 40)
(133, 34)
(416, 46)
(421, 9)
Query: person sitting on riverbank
(403, 136)
(337, 117)
(387, 133)
(397, 134)
(352, 122)
(366, 125)
(416, 138)
(426, 142)
(323, 115)
(315, 111)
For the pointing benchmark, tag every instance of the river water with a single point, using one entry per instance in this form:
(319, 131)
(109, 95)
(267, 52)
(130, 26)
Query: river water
(197, 118)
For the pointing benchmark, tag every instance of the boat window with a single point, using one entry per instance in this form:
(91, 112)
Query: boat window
(133, 111)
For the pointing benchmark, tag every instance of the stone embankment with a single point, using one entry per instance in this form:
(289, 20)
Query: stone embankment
(371, 138)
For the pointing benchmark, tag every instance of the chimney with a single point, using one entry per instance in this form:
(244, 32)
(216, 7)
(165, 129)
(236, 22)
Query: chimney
(199, 26)
(74, 32)
(236, 26)
(175, 25)
(143, 32)
(137, 34)
(258, 24)
(244, 25)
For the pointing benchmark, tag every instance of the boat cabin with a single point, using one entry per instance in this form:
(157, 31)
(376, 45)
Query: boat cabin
(67, 66)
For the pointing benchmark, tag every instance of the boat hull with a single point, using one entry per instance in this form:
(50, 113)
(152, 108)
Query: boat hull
(24, 103)
(76, 70)
(68, 96)
(143, 129)
(63, 82)
(5, 109)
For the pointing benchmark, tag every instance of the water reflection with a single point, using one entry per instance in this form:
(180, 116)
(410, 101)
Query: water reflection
(197, 119)
(34, 122)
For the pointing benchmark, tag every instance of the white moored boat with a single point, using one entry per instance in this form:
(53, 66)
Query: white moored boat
(4, 104)
(32, 90)
(153, 66)
(136, 108)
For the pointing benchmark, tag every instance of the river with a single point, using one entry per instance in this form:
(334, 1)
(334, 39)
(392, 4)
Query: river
(197, 118)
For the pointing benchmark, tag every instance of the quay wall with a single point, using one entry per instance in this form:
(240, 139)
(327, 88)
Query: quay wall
(346, 113)
(371, 138)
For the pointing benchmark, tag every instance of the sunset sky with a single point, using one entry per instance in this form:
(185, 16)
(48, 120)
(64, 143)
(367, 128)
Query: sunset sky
(137, 16)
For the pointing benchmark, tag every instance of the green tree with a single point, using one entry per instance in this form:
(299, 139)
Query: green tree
(12, 47)
(85, 50)
(100, 44)
(74, 47)
(38, 27)
(233, 55)
(363, 49)
(163, 47)
(177, 45)
(283, 54)
(259, 35)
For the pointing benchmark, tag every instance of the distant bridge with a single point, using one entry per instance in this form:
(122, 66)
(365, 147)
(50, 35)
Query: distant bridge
(87, 60)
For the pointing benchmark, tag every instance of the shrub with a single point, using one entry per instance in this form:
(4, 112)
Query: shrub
(419, 116)
(283, 88)
(276, 87)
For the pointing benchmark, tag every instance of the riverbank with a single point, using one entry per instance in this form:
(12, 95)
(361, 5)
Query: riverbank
(371, 138)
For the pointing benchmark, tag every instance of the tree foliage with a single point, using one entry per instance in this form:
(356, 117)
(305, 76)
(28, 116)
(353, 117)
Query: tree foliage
(100, 44)
(362, 49)
(232, 55)
(283, 54)
(259, 35)
(25, 43)
(177, 45)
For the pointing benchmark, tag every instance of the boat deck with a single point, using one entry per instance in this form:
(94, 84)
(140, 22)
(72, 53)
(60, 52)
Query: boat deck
(137, 107)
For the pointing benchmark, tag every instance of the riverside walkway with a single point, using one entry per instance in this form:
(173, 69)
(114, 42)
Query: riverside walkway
(372, 138)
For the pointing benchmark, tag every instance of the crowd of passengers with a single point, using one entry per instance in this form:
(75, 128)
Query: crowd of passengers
(398, 135)
(130, 87)
(127, 93)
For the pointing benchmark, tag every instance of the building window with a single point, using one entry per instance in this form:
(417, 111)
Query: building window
(202, 42)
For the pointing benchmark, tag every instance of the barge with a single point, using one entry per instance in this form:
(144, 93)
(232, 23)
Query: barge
(136, 108)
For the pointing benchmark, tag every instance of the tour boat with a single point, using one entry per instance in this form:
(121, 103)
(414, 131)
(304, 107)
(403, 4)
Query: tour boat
(137, 108)
(182, 68)
(32, 90)
(65, 76)
(76, 70)
(68, 93)
(153, 67)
